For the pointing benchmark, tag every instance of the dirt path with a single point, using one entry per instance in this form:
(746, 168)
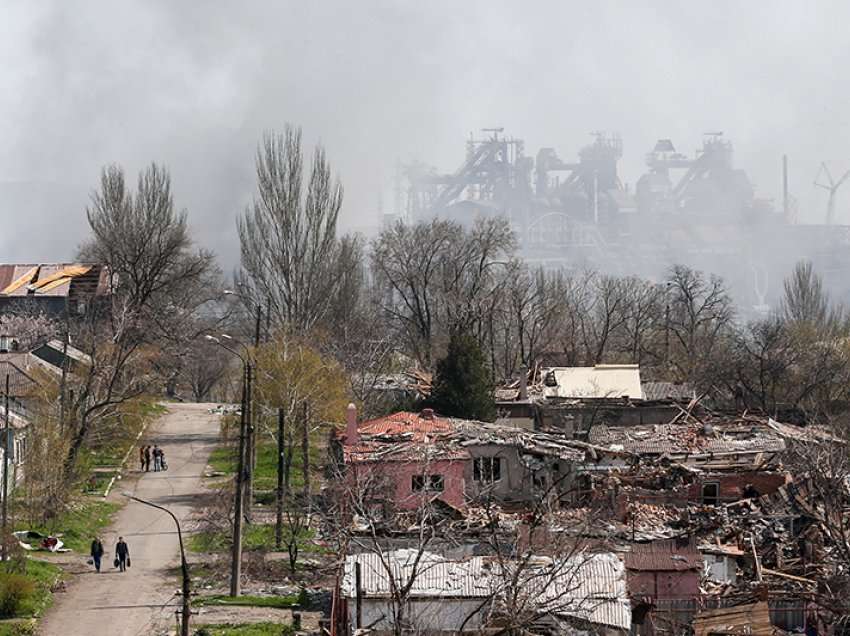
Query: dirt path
(141, 601)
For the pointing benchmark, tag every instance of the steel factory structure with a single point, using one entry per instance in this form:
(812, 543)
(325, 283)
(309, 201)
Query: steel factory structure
(701, 211)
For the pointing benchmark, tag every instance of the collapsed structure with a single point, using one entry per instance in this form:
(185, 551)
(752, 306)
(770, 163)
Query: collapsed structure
(714, 519)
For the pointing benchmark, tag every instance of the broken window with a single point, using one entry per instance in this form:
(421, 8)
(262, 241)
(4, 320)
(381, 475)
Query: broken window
(711, 494)
(427, 483)
(487, 470)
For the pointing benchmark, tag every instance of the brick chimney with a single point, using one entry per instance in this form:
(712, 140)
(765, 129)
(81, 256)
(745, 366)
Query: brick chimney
(352, 435)
(427, 414)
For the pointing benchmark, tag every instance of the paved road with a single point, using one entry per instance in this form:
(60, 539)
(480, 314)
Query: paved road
(141, 600)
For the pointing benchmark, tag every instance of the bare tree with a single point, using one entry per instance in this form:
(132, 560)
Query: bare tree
(291, 256)
(699, 310)
(438, 277)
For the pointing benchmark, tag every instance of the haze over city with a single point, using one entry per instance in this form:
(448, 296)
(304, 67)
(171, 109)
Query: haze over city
(87, 84)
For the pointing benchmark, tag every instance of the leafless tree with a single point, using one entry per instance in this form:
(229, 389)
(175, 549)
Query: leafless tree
(699, 310)
(437, 277)
(291, 256)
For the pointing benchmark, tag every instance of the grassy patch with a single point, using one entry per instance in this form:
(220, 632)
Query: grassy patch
(18, 627)
(223, 460)
(279, 602)
(44, 575)
(81, 523)
(256, 629)
(123, 435)
(257, 536)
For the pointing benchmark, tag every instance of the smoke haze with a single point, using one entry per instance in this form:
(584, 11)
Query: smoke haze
(193, 85)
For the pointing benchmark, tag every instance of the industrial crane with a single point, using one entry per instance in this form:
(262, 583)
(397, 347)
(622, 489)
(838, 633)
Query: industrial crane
(832, 187)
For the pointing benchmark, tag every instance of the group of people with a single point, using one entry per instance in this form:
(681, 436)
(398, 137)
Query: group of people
(145, 454)
(122, 554)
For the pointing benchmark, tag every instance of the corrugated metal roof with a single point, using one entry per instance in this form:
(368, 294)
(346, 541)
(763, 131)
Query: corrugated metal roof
(660, 391)
(604, 381)
(591, 587)
(663, 556)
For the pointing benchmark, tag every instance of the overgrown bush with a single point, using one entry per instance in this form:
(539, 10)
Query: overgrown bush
(14, 589)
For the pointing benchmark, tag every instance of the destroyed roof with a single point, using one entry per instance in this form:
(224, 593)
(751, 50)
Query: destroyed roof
(478, 433)
(691, 438)
(52, 279)
(663, 556)
(604, 381)
(591, 587)
(412, 436)
(668, 391)
(418, 426)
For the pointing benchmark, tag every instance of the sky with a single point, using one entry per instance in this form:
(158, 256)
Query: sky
(194, 85)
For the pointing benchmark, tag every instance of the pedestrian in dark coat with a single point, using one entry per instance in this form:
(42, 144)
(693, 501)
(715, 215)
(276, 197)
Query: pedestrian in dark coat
(96, 553)
(147, 458)
(142, 456)
(122, 553)
(157, 458)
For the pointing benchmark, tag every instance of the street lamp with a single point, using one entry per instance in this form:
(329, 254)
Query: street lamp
(242, 471)
(184, 566)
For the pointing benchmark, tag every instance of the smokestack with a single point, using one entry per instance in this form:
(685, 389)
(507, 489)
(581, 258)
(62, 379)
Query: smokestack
(352, 435)
(523, 383)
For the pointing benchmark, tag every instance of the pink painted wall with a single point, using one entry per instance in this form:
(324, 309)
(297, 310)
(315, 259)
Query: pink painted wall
(400, 477)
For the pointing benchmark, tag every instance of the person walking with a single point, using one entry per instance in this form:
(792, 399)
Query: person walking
(142, 457)
(122, 554)
(147, 458)
(157, 459)
(96, 553)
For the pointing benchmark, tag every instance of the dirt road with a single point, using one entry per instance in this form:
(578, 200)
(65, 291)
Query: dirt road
(141, 601)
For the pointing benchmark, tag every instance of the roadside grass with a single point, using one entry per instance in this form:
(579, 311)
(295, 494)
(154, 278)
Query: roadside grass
(223, 460)
(44, 575)
(34, 602)
(279, 602)
(257, 537)
(111, 450)
(256, 629)
(80, 523)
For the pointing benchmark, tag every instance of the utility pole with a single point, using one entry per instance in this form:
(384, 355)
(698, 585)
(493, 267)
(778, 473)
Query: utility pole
(236, 555)
(186, 591)
(5, 466)
(251, 444)
(278, 525)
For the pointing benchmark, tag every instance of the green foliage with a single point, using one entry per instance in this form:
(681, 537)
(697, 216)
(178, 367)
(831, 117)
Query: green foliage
(280, 602)
(256, 629)
(23, 627)
(81, 523)
(462, 386)
(14, 590)
(257, 537)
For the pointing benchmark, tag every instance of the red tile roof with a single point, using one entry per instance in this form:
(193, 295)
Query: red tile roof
(421, 425)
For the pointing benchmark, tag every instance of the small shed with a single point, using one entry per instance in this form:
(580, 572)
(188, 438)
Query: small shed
(664, 570)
